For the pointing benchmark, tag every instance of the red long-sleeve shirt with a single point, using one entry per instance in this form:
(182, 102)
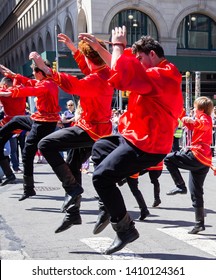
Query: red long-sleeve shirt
(12, 107)
(46, 101)
(201, 138)
(95, 97)
(154, 105)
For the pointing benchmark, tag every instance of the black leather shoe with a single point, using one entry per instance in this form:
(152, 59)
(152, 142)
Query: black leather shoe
(102, 221)
(70, 197)
(197, 229)
(121, 240)
(156, 202)
(177, 191)
(144, 214)
(27, 194)
(69, 221)
(9, 180)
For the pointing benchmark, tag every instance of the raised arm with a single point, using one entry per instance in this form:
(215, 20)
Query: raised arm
(119, 42)
(67, 41)
(40, 63)
(38, 59)
(93, 42)
(6, 72)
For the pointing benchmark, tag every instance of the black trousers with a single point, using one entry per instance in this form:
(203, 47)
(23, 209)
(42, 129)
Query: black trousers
(175, 146)
(18, 122)
(75, 159)
(153, 175)
(37, 130)
(73, 138)
(114, 159)
(198, 171)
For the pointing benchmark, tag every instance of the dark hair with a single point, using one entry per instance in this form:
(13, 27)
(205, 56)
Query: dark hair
(37, 69)
(147, 44)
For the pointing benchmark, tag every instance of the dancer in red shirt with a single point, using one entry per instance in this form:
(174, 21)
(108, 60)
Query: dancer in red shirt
(95, 122)
(146, 129)
(40, 123)
(12, 107)
(197, 158)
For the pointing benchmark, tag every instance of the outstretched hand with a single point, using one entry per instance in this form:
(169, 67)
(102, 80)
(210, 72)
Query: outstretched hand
(63, 38)
(6, 72)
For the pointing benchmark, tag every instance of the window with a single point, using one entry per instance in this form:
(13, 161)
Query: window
(137, 24)
(197, 31)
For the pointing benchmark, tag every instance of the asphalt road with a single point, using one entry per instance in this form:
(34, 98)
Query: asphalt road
(27, 227)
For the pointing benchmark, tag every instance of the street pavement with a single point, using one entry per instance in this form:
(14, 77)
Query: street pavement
(27, 227)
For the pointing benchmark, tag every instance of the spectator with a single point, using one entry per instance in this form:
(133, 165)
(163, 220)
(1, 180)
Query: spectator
(68, 115)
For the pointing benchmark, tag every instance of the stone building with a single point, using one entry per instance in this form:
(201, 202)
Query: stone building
(185, 28)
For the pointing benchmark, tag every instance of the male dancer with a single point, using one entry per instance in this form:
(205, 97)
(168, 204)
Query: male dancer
(40, 123)
(12, 107)
(145, 130)
(95, 122)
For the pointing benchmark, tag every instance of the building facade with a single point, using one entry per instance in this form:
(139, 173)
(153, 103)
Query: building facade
(185, 28)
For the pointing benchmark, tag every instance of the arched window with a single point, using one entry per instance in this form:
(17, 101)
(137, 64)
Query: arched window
(137, 24)
(33, 47)
(60, 45)
(197, 31)
(22, 58)
(40, 45)
(27, 53)
(69, 29)
(48, 42)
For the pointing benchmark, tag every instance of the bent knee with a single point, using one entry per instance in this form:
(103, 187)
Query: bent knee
(42, 145)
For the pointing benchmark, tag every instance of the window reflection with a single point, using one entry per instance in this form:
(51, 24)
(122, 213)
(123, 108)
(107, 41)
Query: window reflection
(137, 24)
(197, 31)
